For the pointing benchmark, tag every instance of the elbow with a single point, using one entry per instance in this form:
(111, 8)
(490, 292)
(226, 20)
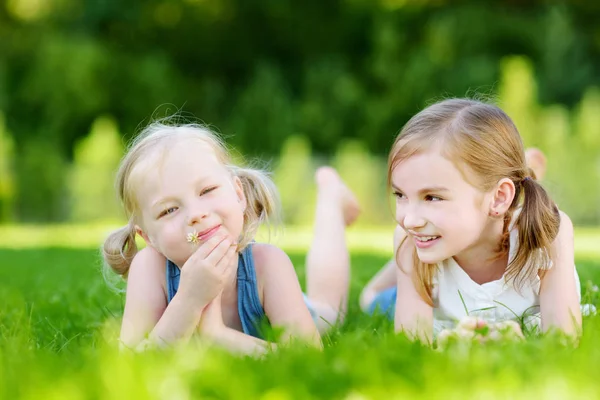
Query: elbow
(366, 298)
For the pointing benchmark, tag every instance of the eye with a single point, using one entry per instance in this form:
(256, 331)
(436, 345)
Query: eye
(207, 190)
(431, 197)
(399, 196)
(167, 211)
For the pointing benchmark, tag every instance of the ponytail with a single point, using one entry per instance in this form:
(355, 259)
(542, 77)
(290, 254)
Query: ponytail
(262, 201)
(538, 224)
(119, 249)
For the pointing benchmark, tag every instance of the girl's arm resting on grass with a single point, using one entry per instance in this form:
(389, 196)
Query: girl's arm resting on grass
(214, 329)
(559, 301)
(239, 342)
(413, 315)
(146, 309)
(282, 300)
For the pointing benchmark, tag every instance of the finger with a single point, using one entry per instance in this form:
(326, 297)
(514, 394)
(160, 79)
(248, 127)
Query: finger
(226, 262)
(207, 247)
(218, 252)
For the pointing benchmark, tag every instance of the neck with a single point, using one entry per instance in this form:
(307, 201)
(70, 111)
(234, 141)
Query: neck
(481, 261)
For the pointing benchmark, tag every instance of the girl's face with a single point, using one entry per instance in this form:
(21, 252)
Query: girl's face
(190, 191)
(442, 213)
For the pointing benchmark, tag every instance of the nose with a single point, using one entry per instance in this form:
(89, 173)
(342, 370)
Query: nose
(196, 213)
(409, 217)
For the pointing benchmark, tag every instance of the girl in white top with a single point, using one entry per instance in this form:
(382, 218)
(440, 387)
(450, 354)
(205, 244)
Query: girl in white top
(475, 229)
(456, 295)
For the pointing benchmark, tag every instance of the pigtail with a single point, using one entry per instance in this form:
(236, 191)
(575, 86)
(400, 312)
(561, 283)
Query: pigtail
(538, 224)
(119, 249)
(262, 198)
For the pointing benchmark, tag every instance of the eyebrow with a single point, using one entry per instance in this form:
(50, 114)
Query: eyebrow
(432, 189)
(161, 202)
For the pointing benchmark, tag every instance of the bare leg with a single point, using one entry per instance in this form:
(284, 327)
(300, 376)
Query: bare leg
(536, 160)
(328, 261)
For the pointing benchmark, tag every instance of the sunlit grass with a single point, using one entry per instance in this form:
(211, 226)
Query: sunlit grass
(59, 326)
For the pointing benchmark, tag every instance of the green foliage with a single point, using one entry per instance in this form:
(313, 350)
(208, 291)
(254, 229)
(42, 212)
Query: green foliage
(263, 113)
(7, 190)
(295, 181)
(40, 172)
(260, 73)
(518, 97)
(94, 166)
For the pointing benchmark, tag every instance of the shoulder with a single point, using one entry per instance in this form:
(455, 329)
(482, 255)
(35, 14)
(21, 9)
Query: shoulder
(564, 242)
(566, 225)
(268, 257)
(273, 268)
(148, 264)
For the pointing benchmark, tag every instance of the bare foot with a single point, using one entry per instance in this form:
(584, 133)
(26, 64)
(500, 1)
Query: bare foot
(328, 180)
(536, 160)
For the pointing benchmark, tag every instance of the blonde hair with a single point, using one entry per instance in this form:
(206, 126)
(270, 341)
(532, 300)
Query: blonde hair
(484, 139)
(262, 197)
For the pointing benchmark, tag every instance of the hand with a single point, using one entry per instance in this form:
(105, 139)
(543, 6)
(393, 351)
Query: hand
(205, 273)
(212, 318)
(472, 329)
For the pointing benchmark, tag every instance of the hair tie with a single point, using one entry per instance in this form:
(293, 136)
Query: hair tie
(527, 178)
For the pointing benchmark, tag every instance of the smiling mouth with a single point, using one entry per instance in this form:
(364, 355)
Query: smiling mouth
(204, 235)
(196, 237)
(425, 239)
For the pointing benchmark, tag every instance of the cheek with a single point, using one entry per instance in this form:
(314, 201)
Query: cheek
(169, 233)
(233, 212)
(172, 243)
(399, 212)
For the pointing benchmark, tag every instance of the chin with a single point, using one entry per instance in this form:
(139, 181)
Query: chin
(430, 258)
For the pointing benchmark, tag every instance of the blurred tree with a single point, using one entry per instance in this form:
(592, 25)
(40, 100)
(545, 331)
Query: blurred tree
(41, 182)
(269, 69)
(91, 183)
(518, 97)
(6, 174)
(586, 140)
(294, 179)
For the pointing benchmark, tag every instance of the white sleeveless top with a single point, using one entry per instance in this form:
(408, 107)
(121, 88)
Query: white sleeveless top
(454, 293)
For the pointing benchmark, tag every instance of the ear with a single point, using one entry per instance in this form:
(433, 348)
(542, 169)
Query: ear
(502, 197)
(239, 191)
(139, 231)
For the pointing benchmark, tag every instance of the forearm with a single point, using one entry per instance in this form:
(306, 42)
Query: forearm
(239, 342)
(414, 315)
(307, 337)
(178, 322)
(415, 327)
(561, 313)
(559, 299)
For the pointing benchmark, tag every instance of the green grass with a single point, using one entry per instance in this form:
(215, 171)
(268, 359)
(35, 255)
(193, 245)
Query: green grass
(59, 325)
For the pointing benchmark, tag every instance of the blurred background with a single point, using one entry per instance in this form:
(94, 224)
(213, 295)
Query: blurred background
(292, 84)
